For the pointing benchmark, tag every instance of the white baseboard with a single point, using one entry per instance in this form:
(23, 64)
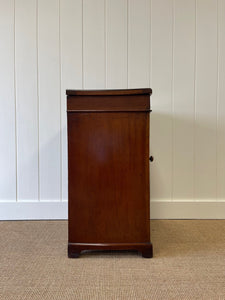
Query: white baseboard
(56, 210)
(33, 210)
(187, 210)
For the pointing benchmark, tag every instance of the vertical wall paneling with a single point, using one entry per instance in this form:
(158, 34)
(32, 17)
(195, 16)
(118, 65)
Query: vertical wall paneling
(26, 99)
(7, 103)
(71, 68)
(138, 43)
(94, 64)
(183, 99)
(221, 103)
(206, 101)
(49, 102)
(116, 18)
(161, 119)
(176, 47)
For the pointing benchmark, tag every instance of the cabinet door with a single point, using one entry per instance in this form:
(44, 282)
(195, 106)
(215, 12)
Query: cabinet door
(108, 177)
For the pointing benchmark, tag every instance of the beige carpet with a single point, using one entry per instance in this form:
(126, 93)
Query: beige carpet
(188, 263)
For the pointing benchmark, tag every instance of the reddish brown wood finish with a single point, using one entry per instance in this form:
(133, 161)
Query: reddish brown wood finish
(108, 92)
(107, 103)
(108, 162)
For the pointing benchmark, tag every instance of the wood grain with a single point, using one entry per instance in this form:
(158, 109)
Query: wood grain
(108, 175)
(107, 103)
(118, 92)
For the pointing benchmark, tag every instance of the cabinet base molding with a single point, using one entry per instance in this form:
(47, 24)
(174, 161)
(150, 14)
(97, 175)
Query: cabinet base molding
(74, 249)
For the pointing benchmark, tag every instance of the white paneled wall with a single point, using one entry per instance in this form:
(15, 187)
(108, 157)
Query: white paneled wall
(116, 43)
(8, 152)
(49, 77)
(221, 103)
(176, 47)
(26, 100)
(71, 69)
(183, 105)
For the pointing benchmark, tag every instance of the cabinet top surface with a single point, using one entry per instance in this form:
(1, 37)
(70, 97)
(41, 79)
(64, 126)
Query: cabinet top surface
(106, 92)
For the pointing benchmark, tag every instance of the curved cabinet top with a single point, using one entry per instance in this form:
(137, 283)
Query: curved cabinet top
(106, 92)
(108, 100)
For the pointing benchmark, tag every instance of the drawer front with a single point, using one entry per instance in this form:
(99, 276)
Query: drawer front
(108, 103)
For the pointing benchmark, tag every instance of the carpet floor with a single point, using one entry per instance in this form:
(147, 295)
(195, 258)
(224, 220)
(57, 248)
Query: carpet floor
(188, 263)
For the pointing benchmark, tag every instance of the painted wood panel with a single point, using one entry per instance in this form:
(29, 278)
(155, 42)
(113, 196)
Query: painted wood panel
(183, 102)
(176, 47)
(138, 43)
(161, 83)
(71, 69)
(206, 101)
(94, 54)
(7, 103)
(26, 100)
(221, 103)
(49, 100)
(116, 44)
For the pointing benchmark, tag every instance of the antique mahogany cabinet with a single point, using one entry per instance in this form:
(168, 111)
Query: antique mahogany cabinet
(108, 166)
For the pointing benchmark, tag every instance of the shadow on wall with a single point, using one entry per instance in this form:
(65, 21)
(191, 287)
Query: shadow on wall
(189, 161)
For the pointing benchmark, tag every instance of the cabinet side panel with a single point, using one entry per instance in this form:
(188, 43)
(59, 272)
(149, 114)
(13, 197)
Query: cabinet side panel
(108, 177)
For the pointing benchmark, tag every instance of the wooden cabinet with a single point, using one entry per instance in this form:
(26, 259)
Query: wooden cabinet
(108, 166)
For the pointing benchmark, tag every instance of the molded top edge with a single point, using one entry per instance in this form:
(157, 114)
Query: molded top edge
(119, 92)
